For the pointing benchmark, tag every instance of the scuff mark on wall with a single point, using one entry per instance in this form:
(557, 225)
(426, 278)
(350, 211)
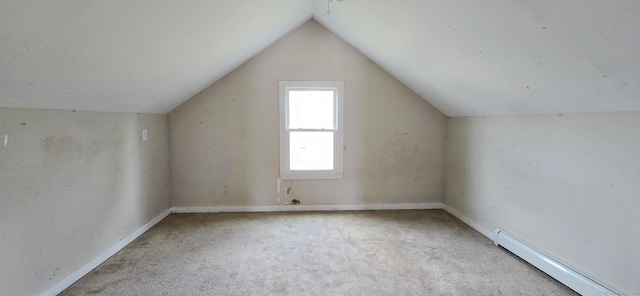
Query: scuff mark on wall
(54, 273)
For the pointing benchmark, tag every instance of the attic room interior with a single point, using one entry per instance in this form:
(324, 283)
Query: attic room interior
(445, 148)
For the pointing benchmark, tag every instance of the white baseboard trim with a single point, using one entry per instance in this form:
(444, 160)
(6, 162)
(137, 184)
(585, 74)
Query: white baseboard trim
(307, 208)
(84, 269)
(473, 224)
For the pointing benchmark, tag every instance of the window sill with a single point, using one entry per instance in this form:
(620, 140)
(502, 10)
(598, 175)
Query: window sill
(311, 176)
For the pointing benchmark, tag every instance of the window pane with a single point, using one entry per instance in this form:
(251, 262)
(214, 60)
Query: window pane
(311, 109)
(310, 151)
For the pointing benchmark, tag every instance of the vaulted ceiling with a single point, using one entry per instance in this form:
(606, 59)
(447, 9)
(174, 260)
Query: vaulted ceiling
(468, 58)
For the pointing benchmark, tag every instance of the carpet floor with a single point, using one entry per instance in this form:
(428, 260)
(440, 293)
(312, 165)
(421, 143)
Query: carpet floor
(425, 252)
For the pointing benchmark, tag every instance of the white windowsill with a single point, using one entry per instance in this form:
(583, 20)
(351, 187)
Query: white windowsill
(311, 176)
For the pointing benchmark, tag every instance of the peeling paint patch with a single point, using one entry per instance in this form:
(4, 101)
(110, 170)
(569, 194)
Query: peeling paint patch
(278, 182)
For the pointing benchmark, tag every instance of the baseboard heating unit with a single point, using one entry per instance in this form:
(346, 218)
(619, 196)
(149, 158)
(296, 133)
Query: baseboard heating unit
(555, 269)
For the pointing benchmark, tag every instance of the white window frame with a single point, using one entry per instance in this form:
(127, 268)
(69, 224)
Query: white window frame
(337, 172)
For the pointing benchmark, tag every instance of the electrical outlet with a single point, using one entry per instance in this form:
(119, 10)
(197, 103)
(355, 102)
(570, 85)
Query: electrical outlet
(144, 135)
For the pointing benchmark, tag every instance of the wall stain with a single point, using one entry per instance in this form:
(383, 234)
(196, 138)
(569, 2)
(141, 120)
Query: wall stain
(58, 147)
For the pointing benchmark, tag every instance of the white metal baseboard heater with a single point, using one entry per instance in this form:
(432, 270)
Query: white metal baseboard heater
(555, 269)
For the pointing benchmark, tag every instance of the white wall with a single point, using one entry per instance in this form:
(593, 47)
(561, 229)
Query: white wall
(569, 185)
(72, 184)
(224, 141)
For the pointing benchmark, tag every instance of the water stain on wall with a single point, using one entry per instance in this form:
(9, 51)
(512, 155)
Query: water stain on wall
(58, 147)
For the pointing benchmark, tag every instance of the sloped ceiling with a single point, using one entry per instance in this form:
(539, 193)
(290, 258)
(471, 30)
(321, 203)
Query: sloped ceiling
(468, 58)
(502, 57)
(130, 56)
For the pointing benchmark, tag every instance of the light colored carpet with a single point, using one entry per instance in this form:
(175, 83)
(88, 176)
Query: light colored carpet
(329, 253)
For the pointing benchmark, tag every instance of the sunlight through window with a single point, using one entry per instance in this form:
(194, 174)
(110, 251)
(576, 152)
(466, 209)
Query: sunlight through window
(310, 130)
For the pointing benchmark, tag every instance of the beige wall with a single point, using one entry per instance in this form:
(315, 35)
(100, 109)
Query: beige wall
(72, 185)
(224, 141)
(569, 185)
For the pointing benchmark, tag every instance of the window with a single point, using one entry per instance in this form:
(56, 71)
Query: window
(311, 129)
